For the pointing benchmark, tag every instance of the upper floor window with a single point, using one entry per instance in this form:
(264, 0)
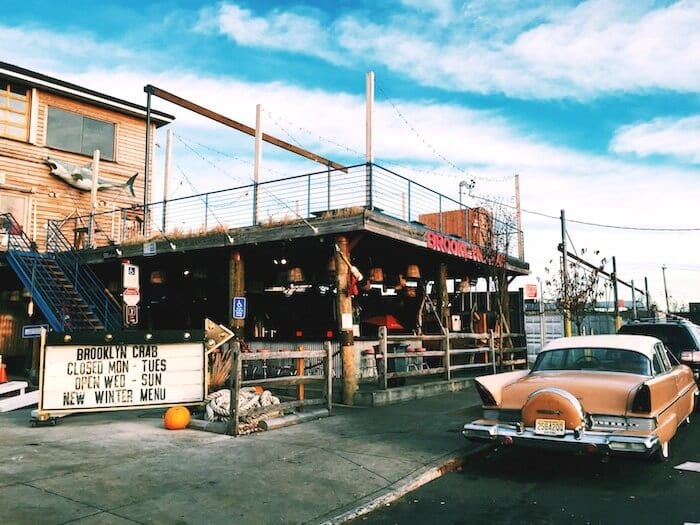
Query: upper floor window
(74, 132)
(14, 110)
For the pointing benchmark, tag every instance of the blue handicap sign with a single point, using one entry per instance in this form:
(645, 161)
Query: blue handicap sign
(239, 307)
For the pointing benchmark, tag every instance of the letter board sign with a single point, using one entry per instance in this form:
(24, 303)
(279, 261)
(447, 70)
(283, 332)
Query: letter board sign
(79, 378)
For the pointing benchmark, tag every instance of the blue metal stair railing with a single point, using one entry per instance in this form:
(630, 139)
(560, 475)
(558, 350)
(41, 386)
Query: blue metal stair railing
(83, 279)
(71, 300)
(29, 265)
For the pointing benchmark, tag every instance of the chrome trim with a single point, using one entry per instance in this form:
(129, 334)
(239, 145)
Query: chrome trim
(607, 422)
(563, 393)
(572, 440)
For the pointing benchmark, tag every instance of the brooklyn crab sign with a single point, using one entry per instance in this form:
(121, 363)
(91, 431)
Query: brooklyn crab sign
(458, 248)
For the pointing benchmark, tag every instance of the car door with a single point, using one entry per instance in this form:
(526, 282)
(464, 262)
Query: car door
(682, 379)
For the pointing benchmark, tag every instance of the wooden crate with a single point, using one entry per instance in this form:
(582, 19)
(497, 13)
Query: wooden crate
(454, 222)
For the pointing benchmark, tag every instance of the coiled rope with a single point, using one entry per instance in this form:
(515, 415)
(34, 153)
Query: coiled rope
(218, 403)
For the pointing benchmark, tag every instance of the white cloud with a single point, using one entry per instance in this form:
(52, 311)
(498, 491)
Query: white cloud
(280, 30)
(529, 51)
(443, 10)
(38, 49)
(484, 144)
(600, 46)
(661, 136)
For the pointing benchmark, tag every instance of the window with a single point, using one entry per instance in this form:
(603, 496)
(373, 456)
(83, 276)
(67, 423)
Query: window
(14, 110)
(17, 206)
(71, 131)
(597, 359)
(661, 363)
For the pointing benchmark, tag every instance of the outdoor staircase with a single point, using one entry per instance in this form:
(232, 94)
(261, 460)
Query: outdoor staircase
(65, 289)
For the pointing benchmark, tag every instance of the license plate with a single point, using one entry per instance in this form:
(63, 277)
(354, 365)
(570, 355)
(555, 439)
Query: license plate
(550, 427)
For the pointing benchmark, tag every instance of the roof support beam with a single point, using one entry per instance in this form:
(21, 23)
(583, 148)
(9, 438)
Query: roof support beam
(240, 127)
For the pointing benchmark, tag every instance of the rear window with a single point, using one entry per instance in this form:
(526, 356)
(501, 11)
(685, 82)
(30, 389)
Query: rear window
(597, 359)
(676, 338)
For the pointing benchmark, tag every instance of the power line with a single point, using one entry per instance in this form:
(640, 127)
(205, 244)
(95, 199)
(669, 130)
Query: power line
(313, 134)
(431, 148)
(595, 224)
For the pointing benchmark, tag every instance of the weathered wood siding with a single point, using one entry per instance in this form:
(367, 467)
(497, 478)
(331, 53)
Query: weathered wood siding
(27, 174)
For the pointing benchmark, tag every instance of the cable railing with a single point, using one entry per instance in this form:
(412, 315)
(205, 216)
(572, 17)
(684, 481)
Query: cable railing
(302, 198)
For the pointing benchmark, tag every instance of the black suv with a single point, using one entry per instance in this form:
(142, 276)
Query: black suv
(680, 336)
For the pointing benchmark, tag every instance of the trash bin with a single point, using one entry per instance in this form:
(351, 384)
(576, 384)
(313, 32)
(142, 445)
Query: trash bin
(393, 365)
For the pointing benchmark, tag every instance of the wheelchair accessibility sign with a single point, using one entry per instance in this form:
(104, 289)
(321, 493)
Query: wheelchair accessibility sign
(239, 307)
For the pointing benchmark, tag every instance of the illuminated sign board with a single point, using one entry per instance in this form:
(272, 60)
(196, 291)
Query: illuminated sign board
(79, 378)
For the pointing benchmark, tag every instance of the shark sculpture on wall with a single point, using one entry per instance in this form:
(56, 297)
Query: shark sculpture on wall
(81, 176)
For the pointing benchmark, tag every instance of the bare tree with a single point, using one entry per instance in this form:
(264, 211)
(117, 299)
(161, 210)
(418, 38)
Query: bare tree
(578, 294)
(498, 232)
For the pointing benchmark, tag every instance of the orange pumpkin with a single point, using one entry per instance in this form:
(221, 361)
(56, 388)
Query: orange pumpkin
(176, 418)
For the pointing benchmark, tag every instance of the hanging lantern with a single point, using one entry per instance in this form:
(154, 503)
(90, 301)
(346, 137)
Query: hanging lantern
(376, 275)
(413, 272)
(296, 275)
(157, 277)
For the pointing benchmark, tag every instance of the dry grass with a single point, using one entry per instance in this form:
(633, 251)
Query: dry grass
(176, 234)
(219, 368)
(343, 212)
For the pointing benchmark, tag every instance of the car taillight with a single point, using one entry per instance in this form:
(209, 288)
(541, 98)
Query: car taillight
(642, 400)
(690, 356)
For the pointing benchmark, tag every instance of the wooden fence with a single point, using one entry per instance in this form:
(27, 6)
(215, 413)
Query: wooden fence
(297, 378)
(452, 356)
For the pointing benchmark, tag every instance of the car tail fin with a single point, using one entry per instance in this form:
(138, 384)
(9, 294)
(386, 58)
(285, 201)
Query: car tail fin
(642, 400)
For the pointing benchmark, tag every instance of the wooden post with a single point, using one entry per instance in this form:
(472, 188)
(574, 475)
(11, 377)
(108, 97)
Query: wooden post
(347, 343)
(236, 289)
(300, 372)
(448, 364)
(36, 353)
(235, 381)
(385, 359)
(492, 346)
(443, 298)
(93, 197)
(328, 367)
(166, 175)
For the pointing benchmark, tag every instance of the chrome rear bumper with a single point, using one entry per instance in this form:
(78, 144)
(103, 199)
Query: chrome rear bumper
(588, 441)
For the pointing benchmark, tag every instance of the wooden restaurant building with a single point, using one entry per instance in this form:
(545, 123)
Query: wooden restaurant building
(325, 256)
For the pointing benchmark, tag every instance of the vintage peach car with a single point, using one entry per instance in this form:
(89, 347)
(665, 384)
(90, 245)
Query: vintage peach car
(594, 394)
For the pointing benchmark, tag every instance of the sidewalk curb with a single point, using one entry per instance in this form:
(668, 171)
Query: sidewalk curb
(420, 477)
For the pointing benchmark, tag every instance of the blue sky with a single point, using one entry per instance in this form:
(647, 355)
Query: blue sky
(595, 104)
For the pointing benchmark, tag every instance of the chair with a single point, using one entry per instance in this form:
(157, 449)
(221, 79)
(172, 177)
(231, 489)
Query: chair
(368, 363)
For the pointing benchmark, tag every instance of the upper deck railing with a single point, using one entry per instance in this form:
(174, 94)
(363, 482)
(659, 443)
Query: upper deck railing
(297, 199)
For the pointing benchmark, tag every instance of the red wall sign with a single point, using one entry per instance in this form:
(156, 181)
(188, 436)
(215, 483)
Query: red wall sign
(458, 247)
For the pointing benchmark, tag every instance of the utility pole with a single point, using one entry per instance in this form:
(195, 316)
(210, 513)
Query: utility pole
(646, 289)
(565, 277)
(663, 269)
(634, 300)
(618, 321)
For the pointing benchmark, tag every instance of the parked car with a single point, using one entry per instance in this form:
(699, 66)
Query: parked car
(680, 336)
(595, 394)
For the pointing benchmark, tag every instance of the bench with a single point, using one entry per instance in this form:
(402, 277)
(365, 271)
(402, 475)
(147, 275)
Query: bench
(20, 400)
(11, 386)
